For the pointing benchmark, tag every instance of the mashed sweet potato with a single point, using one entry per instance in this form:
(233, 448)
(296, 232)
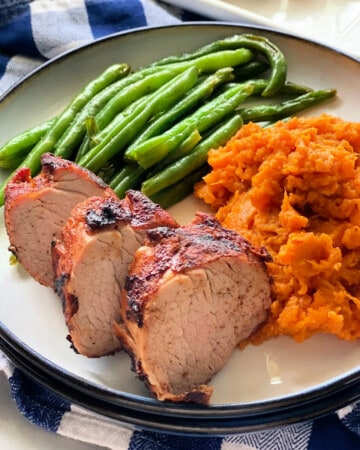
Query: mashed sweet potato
(295, 189)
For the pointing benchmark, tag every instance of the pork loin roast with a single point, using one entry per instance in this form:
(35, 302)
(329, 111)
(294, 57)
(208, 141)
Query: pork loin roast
(91, 261)
(36, 209)
(192, 294)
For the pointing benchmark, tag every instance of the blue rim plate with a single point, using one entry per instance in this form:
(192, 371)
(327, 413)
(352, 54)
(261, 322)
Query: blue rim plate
(194, 421)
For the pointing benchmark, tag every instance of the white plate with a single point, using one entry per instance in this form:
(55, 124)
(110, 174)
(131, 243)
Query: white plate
(335, 23)
(274, 376)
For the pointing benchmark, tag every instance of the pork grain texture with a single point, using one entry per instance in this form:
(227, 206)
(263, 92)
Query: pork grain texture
(91, 261)
(192, 294)
(36, 209)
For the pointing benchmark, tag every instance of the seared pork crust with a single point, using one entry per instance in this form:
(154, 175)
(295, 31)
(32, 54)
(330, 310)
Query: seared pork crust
(182, 249)
(91, 260)
(136, 209)
(192, 294)
(37, 208)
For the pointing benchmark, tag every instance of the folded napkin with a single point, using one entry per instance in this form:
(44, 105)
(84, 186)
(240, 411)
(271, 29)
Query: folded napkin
(31, 32)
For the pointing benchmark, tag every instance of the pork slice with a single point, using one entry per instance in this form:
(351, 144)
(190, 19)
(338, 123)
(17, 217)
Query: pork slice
(192, 295)
(37, 208)
(91, 260)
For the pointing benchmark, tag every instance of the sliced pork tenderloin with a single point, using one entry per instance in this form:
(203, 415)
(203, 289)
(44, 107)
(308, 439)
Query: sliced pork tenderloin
(192, 294)
(37, 208)
(91, 261)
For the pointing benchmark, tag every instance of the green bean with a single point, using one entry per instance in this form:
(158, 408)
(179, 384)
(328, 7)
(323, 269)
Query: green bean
(134, 123)
(91, 139)
(102, 133)
(109, 170)
(117, 139)
(198, 94)
(183, 149)
(274, 55)
(130, 177)
(207, 49)
(47, 143)
(188, 164)
(124, 98)
(153, 150)
(146, 85)
(261, 44)
(214, 61)
(91, 129)
(289, 87)
(178, 191)
(259, 113)
(12, 162)
(75, 132)
(250, 70)
(15, 150)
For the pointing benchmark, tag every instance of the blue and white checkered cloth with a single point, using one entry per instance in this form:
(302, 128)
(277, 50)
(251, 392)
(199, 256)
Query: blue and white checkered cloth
(31, 32)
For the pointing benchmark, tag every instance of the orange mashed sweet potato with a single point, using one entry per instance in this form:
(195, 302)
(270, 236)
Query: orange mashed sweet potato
(294, 188)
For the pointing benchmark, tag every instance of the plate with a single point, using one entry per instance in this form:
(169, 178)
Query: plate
(332, 23)
(279, 381)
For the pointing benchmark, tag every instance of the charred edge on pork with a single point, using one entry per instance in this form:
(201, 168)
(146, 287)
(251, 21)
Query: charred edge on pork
(51, 164)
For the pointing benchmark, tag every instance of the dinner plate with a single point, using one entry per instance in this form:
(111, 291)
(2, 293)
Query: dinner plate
(329, 22)
(279, 381)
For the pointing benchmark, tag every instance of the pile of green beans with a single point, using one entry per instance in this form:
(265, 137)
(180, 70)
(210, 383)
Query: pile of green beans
(152, 128)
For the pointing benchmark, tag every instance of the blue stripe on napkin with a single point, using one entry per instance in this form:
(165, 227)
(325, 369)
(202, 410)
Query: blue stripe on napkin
(30, 398)
(109, 17)
(46, 409)
(16, 35)
(329, 433)
(3, 63)
(351, 420)
(10, 9)
(156, 441)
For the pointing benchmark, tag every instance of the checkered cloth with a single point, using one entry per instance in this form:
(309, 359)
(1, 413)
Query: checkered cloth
(31, 32)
